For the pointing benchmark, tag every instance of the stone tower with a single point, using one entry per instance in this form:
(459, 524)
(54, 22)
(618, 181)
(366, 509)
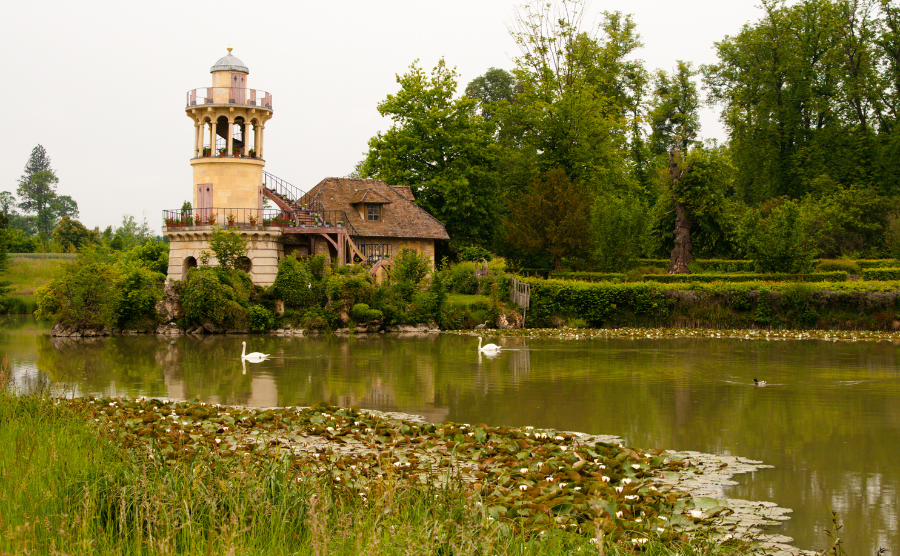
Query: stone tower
(229, 123)
(227, 161)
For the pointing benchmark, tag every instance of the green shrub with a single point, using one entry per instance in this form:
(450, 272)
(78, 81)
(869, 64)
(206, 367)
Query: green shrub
(473, 254)
(832, 265)
(140, 289)
(362, 313)
(294, 283)
(705, 278)
(637, 274)
(203, 296)
(588, 276)
(777, 242)
(721, 266)
(410, 266)
(881, 274)
(261, 319)
(460, 278)
(84, 295)
(878, 263)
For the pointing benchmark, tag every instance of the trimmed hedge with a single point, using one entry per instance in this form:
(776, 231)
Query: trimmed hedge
(830, 305)
(588, 276)
(881, 274)
(878, 263)
(696, 278)
(721, 266)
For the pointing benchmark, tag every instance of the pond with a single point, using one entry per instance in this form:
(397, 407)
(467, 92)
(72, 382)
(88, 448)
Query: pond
(828, 419)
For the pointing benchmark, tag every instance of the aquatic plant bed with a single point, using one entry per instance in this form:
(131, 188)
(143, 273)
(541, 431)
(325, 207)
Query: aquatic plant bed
(523, 481)
(651, 333)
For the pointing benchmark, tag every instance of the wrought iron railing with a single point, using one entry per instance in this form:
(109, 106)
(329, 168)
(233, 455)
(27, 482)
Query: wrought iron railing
(216, 216)
(292, 194)
(212, 216)
(229, 95)
(374, 252)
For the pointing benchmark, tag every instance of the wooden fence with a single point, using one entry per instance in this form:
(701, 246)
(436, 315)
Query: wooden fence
(520, 293)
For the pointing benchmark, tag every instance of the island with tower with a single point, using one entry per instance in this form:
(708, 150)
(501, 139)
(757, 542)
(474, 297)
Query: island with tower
(349, 220)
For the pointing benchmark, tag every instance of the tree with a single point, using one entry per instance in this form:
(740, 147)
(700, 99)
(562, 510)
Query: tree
(578, 93)
(553, 217)
(72, 235)
(777, 241)
(37, 193)
(675, 123)
(811, 91)
(674, 118)
(443, 150)
(620, 225)
(228, 246)
(490, 89)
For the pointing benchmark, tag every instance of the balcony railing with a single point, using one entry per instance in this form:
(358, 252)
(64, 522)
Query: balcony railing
(217, 216)
(229, 95)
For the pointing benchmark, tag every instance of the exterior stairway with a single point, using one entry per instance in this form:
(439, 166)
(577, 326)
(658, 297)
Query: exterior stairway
(304, 211)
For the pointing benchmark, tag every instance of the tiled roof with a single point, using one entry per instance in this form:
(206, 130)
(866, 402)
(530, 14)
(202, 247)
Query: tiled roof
(368, 196)
(400, 218)
(404, 192)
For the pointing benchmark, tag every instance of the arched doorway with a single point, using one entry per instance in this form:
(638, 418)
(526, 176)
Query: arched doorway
(189, 263)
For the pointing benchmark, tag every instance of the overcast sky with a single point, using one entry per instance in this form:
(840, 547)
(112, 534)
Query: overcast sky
(102, 84)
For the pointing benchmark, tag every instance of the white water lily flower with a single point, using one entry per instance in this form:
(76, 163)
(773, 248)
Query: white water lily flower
(696, 513)
(605, 479)
(218, 441)
(329, 428)
(661, 530)
(620, 489)
(398, 463)
(558, 438)
(619, 513)
(529, 428)
(638, 520)
(523, 487)
(632, 497)
(577, 488)
(562, 485)
(635, 466)
(640, 541)
(626, 481)
(523, 470)
(563, 448)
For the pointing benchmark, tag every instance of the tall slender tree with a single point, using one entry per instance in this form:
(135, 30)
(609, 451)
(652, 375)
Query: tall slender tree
(37, 193)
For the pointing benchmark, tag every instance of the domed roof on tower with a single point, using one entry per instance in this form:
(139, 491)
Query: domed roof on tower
(229, 63)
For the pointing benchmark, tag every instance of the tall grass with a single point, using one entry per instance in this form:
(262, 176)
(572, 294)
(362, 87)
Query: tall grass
(28, 274)
(66, 488)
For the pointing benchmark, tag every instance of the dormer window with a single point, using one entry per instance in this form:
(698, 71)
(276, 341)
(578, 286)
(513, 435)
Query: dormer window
(373, 212)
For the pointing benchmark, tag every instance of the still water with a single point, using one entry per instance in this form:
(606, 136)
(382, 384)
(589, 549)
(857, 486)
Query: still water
(829, 419)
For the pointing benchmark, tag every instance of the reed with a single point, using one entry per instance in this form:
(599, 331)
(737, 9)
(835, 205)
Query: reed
(66, 488)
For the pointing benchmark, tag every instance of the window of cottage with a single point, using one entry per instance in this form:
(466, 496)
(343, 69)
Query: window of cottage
(373, 212)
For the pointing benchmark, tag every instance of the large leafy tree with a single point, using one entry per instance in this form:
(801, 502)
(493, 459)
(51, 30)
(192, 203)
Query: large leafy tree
(810, 92)
(37, 193)
(443, 150)
(552, 217)
(577, 93)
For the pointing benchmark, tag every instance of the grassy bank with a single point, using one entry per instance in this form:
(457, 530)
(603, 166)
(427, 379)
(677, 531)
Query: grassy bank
(105, 477)
(27, 272)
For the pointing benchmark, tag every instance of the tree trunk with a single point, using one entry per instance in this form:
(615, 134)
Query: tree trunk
(557, 260)
(681, 253)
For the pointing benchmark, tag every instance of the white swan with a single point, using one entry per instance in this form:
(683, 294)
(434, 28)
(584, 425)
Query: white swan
(488, 348)
(252, 357)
